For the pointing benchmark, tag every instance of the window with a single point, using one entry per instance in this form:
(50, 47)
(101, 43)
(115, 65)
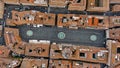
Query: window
(94, 56)
(82, 55)
(99, 3)
(93, 21)
(30, 50)
(117, 21)
(100, 20)
(78, 1)
(118, 50)
(64, 20)
(57, 51)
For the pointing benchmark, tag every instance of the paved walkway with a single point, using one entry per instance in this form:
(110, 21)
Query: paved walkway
(63, 35)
